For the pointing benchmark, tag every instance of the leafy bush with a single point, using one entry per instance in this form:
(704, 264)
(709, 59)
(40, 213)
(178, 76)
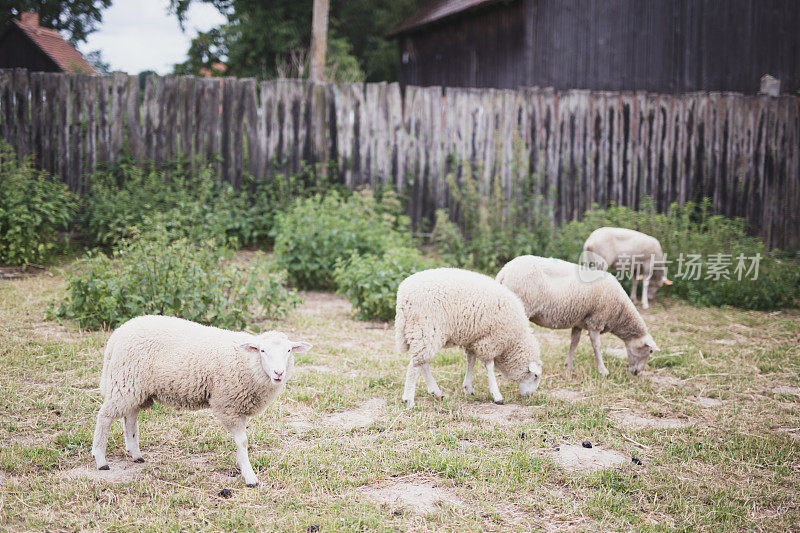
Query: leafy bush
(155, 275)
(492, 227)
(33, 206)
(370, 281)
(317, 231)
(692, 229)
(132, 196)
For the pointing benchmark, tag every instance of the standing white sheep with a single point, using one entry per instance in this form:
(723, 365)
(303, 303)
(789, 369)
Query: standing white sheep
(560, 295)
(190, 366)
(452, 307)
(622, 248)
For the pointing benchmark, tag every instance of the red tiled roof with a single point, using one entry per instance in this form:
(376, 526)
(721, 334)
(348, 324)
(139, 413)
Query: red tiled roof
(56, 48)
(437, 10)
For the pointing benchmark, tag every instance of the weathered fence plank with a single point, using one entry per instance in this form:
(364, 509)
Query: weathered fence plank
(574, 148)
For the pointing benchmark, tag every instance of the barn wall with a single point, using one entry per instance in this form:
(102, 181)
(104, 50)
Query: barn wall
(576, 147)
(485, 49)
(667, 46)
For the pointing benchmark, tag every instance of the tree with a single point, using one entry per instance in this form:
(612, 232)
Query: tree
(319, 39)
(75, 19)
(268, 38)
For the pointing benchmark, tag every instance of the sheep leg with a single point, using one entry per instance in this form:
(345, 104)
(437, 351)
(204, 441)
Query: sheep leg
(104, 421)
(576, 338)
(430, 383)
(132, 435)
(467, 385)
(645, 284)
(634, 282)
(493, 388)
(594, 336)
(412, 376)
(236, 426)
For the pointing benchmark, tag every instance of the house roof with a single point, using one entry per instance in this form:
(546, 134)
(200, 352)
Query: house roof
(54, 46)
(437, 10)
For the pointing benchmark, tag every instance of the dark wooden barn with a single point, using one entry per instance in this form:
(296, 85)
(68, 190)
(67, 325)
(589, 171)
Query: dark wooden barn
(666, 46)
(25, 44)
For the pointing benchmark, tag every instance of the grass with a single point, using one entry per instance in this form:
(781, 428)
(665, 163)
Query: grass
(340, 433)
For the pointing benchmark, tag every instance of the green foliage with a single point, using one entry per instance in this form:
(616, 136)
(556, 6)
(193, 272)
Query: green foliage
(317, 231)
(153, 274)
(358, 45)
(692, 229)
(33, 206)
(493, 227)
(131, 196)
(370, 281)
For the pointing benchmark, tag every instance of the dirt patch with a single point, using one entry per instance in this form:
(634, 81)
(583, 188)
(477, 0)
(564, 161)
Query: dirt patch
(416, 493)
(324, 303)
(632, 420)
(789, 391)
(123, 471)
(792, 432)
(53, 331)
(566, 395)
(499, 414)
(365, 415)
(665, 380)
(360, 417)
(703, 401)
(574, 458)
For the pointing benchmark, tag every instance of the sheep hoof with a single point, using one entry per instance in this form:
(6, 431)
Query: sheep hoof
(139, 460)
(104, 467)
(252, 484)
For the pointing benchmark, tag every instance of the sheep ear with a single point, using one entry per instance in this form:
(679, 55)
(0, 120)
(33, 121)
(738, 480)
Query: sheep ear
(248, 346)
(535, 368)
(667, 281)
(651, 343)
(300, 346)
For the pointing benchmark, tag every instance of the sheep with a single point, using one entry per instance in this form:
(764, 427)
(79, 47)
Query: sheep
(445, 307)
(622, 248)
(559, 295)
(190, 366)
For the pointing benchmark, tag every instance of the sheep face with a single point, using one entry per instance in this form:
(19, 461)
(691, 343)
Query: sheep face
(275, 350)
(639, 350)
(530, 381)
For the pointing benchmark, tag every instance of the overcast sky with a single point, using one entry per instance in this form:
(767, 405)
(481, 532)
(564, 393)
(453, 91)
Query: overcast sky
(138, 35)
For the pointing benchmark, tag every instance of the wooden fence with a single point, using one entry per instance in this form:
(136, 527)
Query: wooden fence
(583, 147)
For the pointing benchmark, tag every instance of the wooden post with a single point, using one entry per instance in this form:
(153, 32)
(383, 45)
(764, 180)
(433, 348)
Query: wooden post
(319, 40)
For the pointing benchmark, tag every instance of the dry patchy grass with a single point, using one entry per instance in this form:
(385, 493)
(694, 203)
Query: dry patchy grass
(714, 422)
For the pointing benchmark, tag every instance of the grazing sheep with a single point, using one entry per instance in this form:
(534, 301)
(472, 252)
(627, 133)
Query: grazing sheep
(626, 249)
(559, 295)
(190, 366)
(452, 307)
